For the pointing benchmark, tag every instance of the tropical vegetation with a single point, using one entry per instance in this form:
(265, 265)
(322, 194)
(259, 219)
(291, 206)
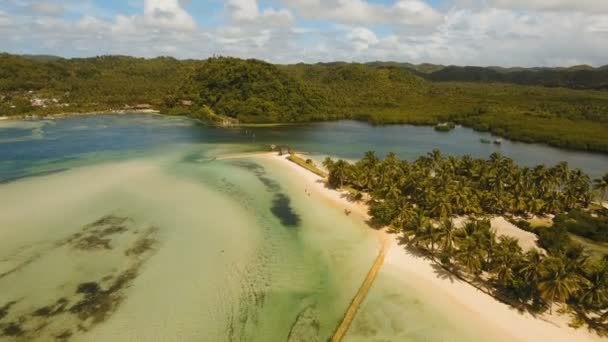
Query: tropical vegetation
(420, 200)
(226, 90)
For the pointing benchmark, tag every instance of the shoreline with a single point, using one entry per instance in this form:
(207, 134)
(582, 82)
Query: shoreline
(417, 271)
(28, 117)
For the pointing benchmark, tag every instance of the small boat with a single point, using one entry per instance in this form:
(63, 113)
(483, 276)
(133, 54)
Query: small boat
(485, 141)
(498, 141)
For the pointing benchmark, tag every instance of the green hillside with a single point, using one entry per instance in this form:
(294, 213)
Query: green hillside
(224, 90)
(248, 90)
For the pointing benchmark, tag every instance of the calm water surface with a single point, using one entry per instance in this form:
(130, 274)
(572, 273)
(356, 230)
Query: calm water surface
(126, 228)
(25, 144)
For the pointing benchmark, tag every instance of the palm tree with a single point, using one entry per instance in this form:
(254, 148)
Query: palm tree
(368, 170)
(416, 225)
(506, 255)
(430, 236)
(556, 284)
(328, 163)
(601, 184)
(532, 266)
(447, 236)
(442, 206)
(339, 173)
(594, 292)
(470, 255)
(370, 160)
(435, 157)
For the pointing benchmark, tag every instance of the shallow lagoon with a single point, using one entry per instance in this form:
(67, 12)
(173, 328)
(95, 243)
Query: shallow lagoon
(130, 230)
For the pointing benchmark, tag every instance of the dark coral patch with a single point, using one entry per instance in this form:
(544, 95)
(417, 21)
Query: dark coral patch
(281, 208)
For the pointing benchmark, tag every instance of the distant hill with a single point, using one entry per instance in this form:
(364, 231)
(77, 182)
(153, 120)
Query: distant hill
(579, 77)
(424, 68)
(575, 77)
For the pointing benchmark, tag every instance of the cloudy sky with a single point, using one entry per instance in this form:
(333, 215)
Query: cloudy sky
(464, 32)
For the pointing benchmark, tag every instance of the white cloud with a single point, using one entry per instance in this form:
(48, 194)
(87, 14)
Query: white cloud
(362, 38)
(167, 14)
(157, 14)
(359, 12)
(243, 9)
(592, 6)
(46, 8)
(248, 12)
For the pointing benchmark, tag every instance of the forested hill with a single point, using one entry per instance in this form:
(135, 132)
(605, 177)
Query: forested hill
(247, 90)
(230, 89)
(576, 77)
(94, 83)
(256, 91)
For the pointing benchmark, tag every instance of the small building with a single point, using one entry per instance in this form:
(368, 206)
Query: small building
(187, 103)
(38, 102)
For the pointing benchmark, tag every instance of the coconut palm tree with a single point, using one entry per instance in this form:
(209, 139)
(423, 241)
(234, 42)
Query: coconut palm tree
(532, 266)
(594, 292)
(470, 255)
(368, 169)
(542, 178)
(339, 173)
(507, 254)
(328, 163)
(556, 284)
(447, 236)
(416, 225)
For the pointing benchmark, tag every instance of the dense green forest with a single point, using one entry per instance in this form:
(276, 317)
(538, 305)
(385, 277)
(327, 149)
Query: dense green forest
(419, 201)
(252, 91)
(576, 77)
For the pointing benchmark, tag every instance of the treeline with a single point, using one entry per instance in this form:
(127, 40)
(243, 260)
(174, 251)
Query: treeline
(230, 89)
(576, 77)
(419, 200)
(98, 83)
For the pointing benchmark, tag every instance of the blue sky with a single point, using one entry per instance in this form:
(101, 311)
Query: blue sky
(464, 32)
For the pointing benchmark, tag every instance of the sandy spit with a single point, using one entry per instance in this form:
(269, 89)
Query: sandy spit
(419, 272)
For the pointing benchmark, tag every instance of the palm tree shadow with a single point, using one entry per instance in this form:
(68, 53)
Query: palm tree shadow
(440, 270)
(444, 274)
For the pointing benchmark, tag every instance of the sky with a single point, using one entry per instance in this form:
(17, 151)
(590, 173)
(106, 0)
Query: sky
(462, 32)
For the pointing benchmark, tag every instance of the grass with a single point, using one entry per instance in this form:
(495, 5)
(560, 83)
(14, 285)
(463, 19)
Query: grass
(541, 222)
(597, 250)
(308, 166)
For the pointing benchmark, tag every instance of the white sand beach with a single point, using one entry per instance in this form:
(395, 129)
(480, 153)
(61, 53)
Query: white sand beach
(507, 322)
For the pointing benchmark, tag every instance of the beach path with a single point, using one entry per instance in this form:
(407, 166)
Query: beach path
(359, 297)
